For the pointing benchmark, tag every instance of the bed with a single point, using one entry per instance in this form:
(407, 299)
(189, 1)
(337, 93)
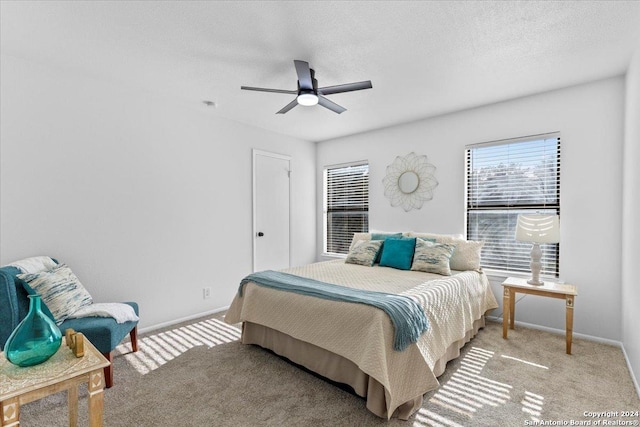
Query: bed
(353, 343)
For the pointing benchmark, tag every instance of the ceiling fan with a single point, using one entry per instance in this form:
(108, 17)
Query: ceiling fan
(309, 93)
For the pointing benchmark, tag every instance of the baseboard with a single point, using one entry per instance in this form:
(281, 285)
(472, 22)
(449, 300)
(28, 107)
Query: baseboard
(182, 319)
(633, 377)
(583, 336)
(561, 332)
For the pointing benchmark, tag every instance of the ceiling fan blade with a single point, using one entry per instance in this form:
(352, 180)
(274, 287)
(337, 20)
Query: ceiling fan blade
(261, 89)
(304, 74)
(349, 87)
(330, 105)
(289, 106)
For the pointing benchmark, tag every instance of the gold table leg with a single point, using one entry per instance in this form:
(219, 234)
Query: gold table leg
(569, 325)
(72, 397)
(512, 308)
(10, 412)
(96, 397)
(505, 311)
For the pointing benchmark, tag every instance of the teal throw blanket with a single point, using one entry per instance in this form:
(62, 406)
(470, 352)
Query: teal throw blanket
(408, 318)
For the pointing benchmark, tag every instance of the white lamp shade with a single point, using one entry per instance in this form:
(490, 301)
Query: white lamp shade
(538, 228)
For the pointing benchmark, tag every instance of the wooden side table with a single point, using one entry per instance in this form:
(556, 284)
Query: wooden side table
(63, 371)
(512, 285)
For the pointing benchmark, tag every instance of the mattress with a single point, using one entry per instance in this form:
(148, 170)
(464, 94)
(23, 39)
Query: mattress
(364, 335)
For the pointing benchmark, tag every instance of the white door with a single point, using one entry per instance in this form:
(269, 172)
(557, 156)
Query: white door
(270, 210)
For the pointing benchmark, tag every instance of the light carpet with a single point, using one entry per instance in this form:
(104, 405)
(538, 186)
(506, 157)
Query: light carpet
(198, 374)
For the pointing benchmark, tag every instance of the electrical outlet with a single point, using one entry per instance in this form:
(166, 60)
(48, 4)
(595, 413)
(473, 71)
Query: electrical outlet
(206, 293)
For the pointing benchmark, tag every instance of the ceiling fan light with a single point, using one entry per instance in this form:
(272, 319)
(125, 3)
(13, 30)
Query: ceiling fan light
(307, 99)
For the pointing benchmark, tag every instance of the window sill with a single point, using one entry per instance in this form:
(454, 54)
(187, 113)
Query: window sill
(501, 275)
(334, 255)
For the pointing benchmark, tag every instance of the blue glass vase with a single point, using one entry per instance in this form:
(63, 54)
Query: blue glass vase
(36, 338)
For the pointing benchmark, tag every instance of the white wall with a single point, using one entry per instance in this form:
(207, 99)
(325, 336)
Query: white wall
(590, 119)
(630, 215)
(145, 199)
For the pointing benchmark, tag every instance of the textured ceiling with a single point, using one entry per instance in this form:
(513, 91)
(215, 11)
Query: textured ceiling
(424, 58)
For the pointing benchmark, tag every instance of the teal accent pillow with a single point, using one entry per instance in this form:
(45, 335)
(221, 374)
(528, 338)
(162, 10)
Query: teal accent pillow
(383, 237)
(398, 253)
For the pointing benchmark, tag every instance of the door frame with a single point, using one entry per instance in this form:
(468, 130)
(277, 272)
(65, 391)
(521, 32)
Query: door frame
(254, 153)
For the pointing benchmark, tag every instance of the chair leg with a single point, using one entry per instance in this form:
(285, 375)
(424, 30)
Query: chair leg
(134, 339)
(108, 371)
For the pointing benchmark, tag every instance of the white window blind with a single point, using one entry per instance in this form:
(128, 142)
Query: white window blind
(346, 205)
(507, 178)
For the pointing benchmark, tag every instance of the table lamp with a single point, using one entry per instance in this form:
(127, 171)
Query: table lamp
(537, 228)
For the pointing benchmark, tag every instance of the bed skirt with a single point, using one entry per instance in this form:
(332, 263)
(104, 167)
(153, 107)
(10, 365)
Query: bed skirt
(342, 370)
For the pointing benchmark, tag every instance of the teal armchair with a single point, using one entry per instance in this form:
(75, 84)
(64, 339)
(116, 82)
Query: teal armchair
(103, 332)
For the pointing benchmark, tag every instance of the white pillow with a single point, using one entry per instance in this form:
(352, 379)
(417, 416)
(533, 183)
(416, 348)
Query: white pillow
(434, 235)
(383, 232)
(467, 255)
(60, 290)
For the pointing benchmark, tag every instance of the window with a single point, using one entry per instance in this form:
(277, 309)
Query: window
(346, 205)
(504, 179)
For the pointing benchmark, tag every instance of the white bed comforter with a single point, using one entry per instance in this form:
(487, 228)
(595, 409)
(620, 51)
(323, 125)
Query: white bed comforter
(364, 334)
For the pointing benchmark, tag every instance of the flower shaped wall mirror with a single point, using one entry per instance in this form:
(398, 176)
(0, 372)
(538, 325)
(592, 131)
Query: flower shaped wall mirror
(410, 181)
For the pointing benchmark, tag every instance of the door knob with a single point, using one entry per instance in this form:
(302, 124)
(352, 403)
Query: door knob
(260, 234)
